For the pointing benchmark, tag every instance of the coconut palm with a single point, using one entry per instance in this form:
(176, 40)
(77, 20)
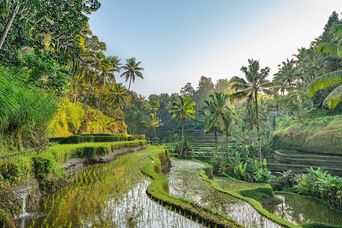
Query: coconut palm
(217, 114)
(331, 79)
(286, 76)
(118, 96)
(249, 88)
(108, 67)
(132, 70)
(182, 110)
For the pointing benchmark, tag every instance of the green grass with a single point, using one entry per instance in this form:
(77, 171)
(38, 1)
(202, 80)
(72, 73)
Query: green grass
(300, 168)
(64, 152)
(22, 166)
(232, 184)
(245, 191)
(317, 135)
(301, 155)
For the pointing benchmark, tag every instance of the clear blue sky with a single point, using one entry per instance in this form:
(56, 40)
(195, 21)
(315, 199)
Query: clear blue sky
(180, 40)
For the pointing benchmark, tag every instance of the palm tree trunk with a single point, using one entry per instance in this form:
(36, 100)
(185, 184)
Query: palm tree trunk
(181, 153)
(257, 122)
(129, 86)
(8, 25)
(215, 133)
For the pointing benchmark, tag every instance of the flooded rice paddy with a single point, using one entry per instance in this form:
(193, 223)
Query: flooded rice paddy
(107, 195)
(114, 195)
(299, 210)
(185, 182)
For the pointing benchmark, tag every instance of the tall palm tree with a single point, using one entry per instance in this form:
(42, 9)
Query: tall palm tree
(108, 66)
(182, 110)
(331, 79)
(217, 114)
(249, 88)
(132, 70)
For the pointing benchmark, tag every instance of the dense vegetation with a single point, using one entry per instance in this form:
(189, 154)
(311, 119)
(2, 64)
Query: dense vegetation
(57, 82)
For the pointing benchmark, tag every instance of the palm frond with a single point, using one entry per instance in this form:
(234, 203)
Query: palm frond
(334, 98)
(325, 81)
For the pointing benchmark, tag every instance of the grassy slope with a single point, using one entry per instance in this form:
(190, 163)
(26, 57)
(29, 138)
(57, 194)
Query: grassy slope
(63, 152)
(316, 135)
(245, 191)
(76, 118)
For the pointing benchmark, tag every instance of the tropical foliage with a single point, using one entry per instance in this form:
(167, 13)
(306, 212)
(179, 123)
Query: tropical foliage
(255, 82)
(183, 110)
(217, 114)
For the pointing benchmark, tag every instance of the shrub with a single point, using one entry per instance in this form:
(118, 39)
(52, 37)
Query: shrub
(92, 138)
(43, 166)
(320, 184)
(182, 149)
(284, 180)
(10, 170)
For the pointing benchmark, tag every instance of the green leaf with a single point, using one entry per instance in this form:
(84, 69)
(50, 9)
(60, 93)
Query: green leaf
(325, 81)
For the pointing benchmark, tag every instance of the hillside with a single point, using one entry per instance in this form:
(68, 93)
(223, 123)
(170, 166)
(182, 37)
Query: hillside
(75, 118)
(317, 135)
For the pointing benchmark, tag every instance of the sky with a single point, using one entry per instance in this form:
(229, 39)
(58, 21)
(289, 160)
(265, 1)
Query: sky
(178, 41)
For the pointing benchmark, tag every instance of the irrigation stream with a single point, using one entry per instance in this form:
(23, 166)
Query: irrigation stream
(185, 182)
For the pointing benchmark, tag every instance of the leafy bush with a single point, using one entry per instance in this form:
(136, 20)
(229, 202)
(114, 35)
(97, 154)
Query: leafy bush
(318, 183)
(43, 165)
(251, 170)
(182, 149)
(284, 180)
(217, 162)
(92, 138)
(9, 170)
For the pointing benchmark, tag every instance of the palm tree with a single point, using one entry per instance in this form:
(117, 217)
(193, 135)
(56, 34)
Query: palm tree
(132, 70)
(331, 79)
(106, 74)
(118, 96)
(182, 110)
(108, 67)
(286, 76)
(217, 114)
(255, 82)
(153, 122)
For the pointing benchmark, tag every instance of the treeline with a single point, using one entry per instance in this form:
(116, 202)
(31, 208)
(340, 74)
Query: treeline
(308, 82)
(49, 57)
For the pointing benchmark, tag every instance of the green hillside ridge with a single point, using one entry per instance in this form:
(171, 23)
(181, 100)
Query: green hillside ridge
(76, 118)
(316, 135)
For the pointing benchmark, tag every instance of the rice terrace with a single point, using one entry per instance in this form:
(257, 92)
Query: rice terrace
(180, 114)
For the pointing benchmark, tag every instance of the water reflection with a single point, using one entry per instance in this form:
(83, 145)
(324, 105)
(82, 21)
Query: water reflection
(299, 210)
(185, 182)
(107, 195)
(136, 209)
